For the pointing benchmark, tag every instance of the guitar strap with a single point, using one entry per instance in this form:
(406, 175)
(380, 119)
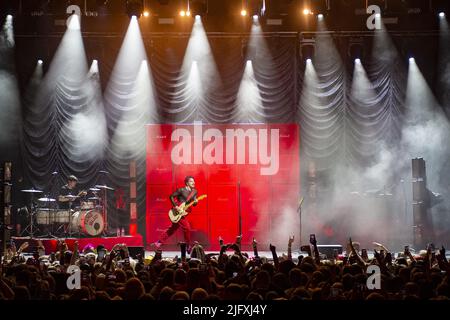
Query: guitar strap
(190, 195)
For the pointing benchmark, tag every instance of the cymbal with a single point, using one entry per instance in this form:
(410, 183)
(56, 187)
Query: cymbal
(46, 199)
(32, 191)
(104, 187)
(94, 189)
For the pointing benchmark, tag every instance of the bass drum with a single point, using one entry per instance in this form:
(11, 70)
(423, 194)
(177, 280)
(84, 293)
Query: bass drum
(88, 222)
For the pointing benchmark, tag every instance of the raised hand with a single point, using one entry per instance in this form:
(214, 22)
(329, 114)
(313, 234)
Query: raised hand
(112, 255)
(377, 244)
(352, 247)
(272, 248)
(388, 258)
(23, 246)
(291, 241)
(235, 247)
(312, 240)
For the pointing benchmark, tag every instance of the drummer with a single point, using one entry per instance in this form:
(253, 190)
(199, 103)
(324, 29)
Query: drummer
(69, 197)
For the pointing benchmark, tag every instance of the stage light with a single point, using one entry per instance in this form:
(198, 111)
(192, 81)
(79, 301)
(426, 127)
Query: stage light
(146, 14)
(135, 8)
(441, 14)
(9, 17)
(378, 15)
(308, 60)
(243, 12)
(320, 16)
(307, 49)
(357, 60)
(182, 13)
(356, 49)
(255, 18)
(412, 60)
(198, 7)
(188, 13)
(40, 61)
(307, 11)
(198, 17)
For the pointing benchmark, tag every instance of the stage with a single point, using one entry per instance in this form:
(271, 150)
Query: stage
(107, 242)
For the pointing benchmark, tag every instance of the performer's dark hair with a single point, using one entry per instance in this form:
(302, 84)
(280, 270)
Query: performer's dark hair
(187, 179)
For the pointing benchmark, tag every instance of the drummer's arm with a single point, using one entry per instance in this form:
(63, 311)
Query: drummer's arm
(62, 198)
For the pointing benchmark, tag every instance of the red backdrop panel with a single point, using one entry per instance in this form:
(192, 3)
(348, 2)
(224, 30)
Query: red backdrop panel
(222, 174)
(255, 225)
(255, 201)
(159, 168)
(223, 225)
(158, 197)
(159, 138)
(232, 188)
(222, 199)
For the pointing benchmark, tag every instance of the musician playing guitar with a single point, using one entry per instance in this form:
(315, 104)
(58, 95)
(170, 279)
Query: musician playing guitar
(68, 194)
(179, 199)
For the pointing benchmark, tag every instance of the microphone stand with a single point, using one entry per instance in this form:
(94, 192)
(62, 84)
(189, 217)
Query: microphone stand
(299, 210)
(239, 208)
(405, 201)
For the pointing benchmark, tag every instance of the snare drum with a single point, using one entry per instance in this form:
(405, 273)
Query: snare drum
(89, 222)
(62, 216)
(45, 216)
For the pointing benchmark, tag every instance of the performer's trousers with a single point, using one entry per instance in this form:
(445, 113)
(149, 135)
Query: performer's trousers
(184, 225)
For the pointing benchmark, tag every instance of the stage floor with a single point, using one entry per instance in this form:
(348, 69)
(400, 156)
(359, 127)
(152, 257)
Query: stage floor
(107, 242)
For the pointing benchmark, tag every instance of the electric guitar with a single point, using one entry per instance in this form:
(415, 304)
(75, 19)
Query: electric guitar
(176, 216)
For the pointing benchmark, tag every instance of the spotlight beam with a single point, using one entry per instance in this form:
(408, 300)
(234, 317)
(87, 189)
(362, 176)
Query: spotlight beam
(199, 73)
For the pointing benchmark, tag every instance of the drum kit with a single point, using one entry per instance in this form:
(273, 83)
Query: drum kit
(89, 218)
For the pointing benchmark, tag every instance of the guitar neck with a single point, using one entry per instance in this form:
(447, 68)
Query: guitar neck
(190, 204)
